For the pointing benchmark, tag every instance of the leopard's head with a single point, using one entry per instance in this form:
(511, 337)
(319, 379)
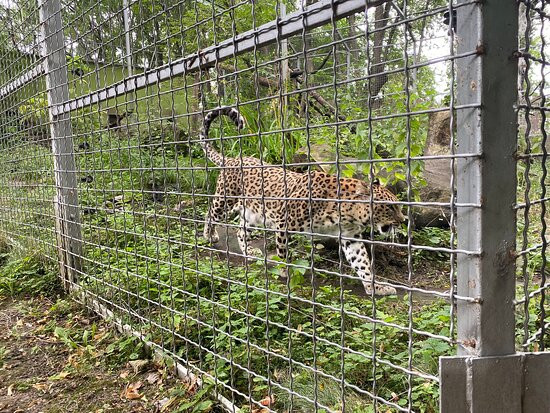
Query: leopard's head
(386, 216)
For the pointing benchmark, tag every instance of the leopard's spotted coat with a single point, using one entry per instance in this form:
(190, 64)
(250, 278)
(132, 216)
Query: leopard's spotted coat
(280, 199)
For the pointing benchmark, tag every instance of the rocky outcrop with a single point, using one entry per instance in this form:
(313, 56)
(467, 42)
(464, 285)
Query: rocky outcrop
(437, 174)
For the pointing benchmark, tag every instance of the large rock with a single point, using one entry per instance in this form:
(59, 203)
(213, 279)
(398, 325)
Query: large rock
(322, 155)
(439, 134)
(437, 173)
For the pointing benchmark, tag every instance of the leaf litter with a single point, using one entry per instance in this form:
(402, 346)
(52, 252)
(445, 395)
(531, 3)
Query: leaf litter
(59, 358)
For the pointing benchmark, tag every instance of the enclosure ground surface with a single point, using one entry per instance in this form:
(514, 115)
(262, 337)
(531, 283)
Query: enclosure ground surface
(56, 357)
(428, 271)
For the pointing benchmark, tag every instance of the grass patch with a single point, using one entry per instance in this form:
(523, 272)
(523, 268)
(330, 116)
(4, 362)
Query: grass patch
(27, 275)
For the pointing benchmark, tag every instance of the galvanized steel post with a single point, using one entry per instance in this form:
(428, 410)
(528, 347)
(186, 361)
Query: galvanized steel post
(489, 78)
(482, 376)
(69, 240)
(488, 375)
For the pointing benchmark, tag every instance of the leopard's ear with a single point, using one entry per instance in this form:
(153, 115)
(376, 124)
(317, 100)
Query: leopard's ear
(362, 189)
(376, 181)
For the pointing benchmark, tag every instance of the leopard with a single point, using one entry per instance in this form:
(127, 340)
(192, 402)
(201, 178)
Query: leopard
(289, 202)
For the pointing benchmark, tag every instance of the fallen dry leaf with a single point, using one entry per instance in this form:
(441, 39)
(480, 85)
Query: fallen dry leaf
(268, 400)
(138, 365)
(153, 378)
(191, 387)
(10, 389)
(131, 392)
(100, 334)
(43, 387)
(59, 376)
(124, 374)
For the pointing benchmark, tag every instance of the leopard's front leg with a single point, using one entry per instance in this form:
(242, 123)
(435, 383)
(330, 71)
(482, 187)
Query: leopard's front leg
(213, 215)
(281, 245)
(357, 256)
(243, 237)
(220, 207)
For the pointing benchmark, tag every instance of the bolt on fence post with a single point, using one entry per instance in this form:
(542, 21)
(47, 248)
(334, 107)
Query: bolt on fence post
(68, 232)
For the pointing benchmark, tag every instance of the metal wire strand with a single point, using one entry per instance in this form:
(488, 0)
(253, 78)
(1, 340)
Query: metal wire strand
(102, 172)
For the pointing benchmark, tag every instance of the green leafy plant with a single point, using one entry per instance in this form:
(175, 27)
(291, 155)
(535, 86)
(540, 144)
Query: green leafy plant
(28, 275)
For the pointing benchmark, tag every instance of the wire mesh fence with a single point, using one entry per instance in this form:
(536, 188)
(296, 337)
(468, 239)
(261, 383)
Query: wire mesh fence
(533, 181)
(301, 253)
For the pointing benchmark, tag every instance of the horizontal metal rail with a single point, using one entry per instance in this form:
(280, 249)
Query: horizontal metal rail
(22, 80)
(318, 14)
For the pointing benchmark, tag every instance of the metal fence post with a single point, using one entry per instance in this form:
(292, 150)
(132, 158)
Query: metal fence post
(485, 328)
(69, 241)
(488, 375)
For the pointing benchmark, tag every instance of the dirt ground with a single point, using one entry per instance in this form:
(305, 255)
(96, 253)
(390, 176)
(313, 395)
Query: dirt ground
(390, 264)
(56, 357)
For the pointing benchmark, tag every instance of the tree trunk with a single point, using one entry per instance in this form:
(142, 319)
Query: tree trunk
(196, 119)
(98, 39)
(309, 68)
(379, 53)
(353, 44)
(159, 56)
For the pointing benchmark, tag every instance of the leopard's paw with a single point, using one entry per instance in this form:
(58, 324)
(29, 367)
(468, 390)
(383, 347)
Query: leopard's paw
(283, 272)
(211, 236)
(382, 290)
(253, 253)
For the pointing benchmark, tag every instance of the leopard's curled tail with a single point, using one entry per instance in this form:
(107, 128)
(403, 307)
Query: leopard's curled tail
(209, 150)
